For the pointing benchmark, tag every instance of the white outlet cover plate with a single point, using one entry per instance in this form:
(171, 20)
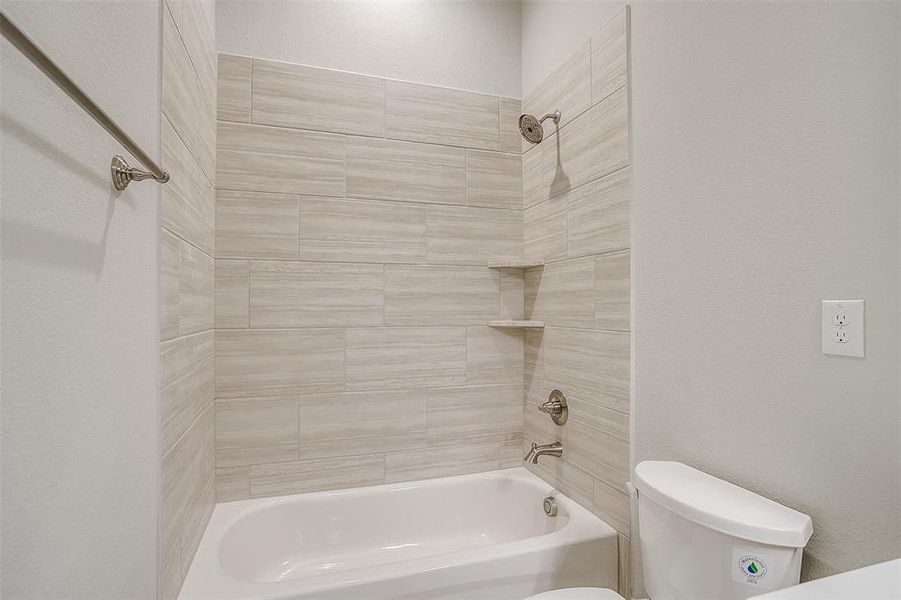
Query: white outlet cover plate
(853, 310)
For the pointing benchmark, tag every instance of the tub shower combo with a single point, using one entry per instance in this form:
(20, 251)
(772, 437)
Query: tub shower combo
(506, 487)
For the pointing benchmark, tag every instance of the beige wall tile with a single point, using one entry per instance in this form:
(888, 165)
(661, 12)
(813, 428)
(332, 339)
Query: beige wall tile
(533, 367)
(510, 140)
(473, 236)
(203, 491)
(609, 56)
(544, 230)
(494, 356)
(232, 294)
(195, 290)
(609, 421)
(232, 483)
(187, 244)
(316, 475)
(308, 294)
(170, 572)
(598, 215)
(278, 362)
(332, 229)
(393, 170)
(186, 383)
(563, 293)
(234, 88)
(258, 430)
(186, 487)
(591, 146)
(289, 95)
(176, 9)
(188, 200)
(256, 225)
(611, 281)
(567, 88)
(624, 588)
(170, 263)
(612, 506)
(352, 423)
(588, 364)
(572, 481)
(604, 456)
(186, 287)
(405, 357)
(511, 285)
(207, 146)
(272, 159)
(493, 179)
(199, 33)
(175, 494)
(426, 113)
(532, 185)
(440, 462)
(191, 111)
(474, 414)
(428, 295)
(511, 454)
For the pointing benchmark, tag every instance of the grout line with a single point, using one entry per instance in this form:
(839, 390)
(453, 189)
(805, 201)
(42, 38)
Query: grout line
(581, 185)
(250, 103)
(369, 75)
(298, 425)
(413, 264)
(249, 288)
(359, 198)
(365, 136)
(182, 238)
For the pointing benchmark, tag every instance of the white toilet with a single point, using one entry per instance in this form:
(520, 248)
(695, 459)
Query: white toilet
(703, 538)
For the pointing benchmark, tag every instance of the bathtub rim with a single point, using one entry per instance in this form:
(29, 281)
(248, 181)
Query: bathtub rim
(207, 578)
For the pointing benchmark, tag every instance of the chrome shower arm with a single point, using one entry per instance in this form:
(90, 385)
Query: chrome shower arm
(555, 116)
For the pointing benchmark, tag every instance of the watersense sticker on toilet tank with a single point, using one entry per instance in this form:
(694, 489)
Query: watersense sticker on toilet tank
(751, 567)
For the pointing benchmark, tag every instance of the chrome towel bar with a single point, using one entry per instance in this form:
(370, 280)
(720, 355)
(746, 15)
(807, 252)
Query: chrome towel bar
(120, 172)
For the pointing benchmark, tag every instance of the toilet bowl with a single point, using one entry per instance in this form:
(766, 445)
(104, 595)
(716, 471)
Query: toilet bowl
(703, 538)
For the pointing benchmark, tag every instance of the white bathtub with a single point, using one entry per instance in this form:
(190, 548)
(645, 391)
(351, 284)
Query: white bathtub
(481, 536)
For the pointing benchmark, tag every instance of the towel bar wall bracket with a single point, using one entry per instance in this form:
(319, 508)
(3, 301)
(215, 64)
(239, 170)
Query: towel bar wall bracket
(123, 174)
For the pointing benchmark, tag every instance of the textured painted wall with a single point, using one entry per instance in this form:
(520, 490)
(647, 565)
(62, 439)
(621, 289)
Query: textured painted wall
(355, 219)
(79, 304)
(766, 180)
(187, 239)
(471, 44)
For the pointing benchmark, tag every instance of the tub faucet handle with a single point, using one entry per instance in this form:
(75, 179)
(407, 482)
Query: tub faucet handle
(556, 407)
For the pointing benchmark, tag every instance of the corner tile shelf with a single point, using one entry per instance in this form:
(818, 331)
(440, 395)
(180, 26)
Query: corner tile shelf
(512, 264)
(517, 324)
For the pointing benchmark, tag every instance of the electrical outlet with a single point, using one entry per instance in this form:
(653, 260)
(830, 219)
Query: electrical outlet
(843, 327)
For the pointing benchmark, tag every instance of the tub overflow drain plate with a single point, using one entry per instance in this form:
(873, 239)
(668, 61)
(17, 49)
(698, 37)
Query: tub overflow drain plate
(550, 506)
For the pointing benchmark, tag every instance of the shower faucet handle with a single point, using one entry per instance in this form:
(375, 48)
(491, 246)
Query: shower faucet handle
(556, 407)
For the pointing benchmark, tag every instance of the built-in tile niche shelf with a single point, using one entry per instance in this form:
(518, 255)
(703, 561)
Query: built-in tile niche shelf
(514, 265)
(517, 324)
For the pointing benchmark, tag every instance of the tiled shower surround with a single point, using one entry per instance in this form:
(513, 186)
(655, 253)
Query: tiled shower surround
(576, 195)
(356, 219)
(187, 238)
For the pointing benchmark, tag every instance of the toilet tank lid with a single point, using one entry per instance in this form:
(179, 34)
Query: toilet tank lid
(720, 505)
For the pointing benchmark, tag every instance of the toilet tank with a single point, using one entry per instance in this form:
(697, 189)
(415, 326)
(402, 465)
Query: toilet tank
(705, 538)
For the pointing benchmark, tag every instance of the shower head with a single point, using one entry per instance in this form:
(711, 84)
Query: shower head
(531, 128)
